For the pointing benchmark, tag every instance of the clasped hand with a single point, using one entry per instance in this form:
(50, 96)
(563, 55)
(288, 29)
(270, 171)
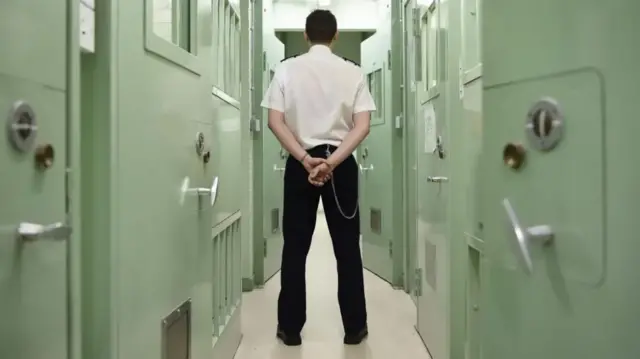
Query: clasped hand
(319, 169)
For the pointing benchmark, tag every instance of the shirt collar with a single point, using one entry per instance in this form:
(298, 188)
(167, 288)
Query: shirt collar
(320, 49)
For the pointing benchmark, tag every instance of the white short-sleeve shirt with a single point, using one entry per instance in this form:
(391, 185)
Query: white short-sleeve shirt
(319, 92)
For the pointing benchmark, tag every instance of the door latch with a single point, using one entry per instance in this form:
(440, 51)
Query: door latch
(213, 191)
(523, 236)
(437, 179)
(28, 231)
(364, 169)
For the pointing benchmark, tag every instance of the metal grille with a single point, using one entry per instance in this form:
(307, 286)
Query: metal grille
(176, 333)
(376, 220)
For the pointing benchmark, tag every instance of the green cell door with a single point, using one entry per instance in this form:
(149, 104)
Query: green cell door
(33, 194)
(376, 211)
(560, 231)
(274, 160)
(432, 181)
(411, 78)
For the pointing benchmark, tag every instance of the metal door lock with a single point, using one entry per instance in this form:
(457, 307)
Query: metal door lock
(365, 153)
(545, 124)
(513, 155)
(22, 126)
(203, 153)
(44, 156)
(439, 147)
(206, 156)
(276, 168)
(199, 143)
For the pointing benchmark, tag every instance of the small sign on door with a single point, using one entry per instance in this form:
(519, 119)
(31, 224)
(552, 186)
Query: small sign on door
(430, 133)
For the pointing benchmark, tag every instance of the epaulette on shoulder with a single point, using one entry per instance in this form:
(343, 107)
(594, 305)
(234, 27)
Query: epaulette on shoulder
(351, 61)
(289, 58)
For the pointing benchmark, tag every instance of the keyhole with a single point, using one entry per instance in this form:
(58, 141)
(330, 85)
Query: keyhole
(542, 123)
(439, 147)
(44, 156)
(25, 123)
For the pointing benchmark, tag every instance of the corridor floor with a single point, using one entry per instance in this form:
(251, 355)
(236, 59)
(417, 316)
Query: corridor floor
(391, 316)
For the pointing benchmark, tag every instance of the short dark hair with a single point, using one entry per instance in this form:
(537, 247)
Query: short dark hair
(321, 26)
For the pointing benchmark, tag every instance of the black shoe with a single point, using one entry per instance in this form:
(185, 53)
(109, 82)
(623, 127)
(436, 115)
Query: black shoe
(356, 338)
(289, 339)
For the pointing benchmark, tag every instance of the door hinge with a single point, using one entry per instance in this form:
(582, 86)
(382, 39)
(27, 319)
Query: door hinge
(264, 61)
(398, 121)
(389, 59)
(390, 248)
(254, 125)
(417, 285)
(461, 80)
(264, 243)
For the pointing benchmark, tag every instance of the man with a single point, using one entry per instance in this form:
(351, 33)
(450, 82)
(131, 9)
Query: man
(319, 109)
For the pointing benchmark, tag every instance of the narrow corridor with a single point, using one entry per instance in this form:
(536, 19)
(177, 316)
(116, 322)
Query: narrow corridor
(391, 316)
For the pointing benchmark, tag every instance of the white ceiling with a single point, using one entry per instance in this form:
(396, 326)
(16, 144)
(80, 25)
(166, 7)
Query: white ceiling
(311, 2)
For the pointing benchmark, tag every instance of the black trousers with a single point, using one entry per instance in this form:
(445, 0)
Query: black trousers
(298, 223)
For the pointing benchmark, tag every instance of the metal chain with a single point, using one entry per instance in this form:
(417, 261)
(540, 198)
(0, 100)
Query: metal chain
(335, 195)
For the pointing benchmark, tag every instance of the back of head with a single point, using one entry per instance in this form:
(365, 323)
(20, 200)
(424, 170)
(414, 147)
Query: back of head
(321, 27)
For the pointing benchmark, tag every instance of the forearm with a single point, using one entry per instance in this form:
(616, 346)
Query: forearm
(348, 145)
(287, 139)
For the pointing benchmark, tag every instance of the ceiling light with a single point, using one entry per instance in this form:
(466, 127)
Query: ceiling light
(425, 3)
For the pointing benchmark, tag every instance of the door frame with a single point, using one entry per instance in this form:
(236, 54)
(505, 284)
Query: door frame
(246, 105)
(398, 146)
(73, 182)
(458, 251)
(409, 242)
(261, 67)
(257, 142)
(270, 238)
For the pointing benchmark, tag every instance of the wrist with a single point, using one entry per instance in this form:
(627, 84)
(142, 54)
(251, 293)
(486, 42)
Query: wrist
(304, 157)
(331, 162)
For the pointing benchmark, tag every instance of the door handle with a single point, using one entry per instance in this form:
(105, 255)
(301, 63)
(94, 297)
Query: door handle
(276, 168)
(200, 191)
(33, 231)
(368, 168)
(437, 179)
(523, 236)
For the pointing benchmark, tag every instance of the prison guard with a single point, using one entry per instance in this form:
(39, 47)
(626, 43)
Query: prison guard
(351, 61)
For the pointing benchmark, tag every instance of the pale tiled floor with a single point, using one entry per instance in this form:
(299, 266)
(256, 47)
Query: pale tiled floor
(391, 316)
